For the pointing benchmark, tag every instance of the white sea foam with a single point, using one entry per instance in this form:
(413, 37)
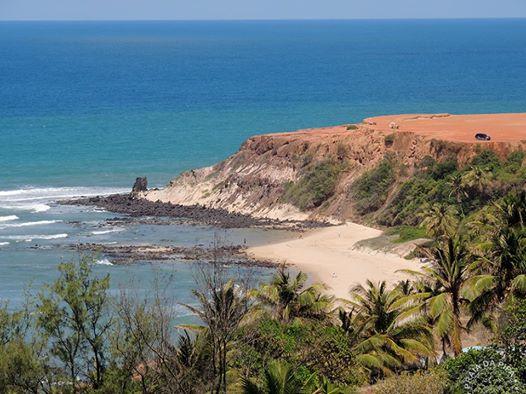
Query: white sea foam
(37, 199)
(8, 218)
(113, 230)
(29, 224)
(103, 262)
(31, 237)
(4, 243)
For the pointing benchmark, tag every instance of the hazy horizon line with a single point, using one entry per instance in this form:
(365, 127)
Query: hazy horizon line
(262, 19)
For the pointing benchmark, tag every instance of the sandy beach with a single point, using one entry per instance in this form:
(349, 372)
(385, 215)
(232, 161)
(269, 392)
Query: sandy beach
(330, 255)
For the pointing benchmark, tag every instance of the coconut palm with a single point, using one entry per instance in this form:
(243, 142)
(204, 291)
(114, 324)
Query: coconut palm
(439, 219)
(511, 210)
(278, 379)
(501, 271)
(389, 340)
(457, 188)
(287, 297)
(440, 294)
(222, 307)
(477, 178)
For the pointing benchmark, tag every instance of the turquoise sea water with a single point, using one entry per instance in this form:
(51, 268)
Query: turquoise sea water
(85, 107)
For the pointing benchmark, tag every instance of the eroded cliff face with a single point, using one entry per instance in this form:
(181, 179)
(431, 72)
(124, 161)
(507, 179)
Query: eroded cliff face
(257, 178)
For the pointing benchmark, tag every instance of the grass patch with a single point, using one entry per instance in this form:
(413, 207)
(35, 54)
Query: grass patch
(315, 186)
(407, 233)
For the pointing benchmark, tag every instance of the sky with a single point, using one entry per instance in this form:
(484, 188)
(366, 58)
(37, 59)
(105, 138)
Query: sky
(256, 9)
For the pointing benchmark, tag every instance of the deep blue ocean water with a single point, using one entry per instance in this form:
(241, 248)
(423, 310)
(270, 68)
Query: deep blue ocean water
(85, 107)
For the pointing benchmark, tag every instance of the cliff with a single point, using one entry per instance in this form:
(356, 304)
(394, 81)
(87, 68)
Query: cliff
(313, 173)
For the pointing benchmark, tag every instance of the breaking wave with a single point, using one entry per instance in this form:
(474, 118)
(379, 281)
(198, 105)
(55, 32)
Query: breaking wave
(29, 238)
(36, 199)
(8, 218)
(103, 262)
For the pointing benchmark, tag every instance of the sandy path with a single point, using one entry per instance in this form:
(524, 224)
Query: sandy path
(329, 255)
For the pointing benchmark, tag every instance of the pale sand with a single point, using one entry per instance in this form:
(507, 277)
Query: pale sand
(329, 255)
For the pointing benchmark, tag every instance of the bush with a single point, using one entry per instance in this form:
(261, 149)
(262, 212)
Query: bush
(483, 371)
(432, 382)
(443, 169)
(352, 127)
(307, 346)
(486, 158)
(371, 189)
(315, 186)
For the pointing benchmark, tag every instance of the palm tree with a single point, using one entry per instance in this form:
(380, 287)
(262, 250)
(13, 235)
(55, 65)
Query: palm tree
(389, 339)
(458, 191)
(440, 296)
(222, 307)
(477, 178)
(287, 297)
(439, 219)
(501, 266)
(503, 271)
(278, 379)
(512, 210)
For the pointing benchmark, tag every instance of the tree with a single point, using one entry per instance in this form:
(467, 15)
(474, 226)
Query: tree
(456, 185)
(72, 315)
(439, 219)
(287, 297)
(477, 178)
(22, 360)
(503, 271)
(441, 299)
(278, 378)
(222, 307)
(389, 337)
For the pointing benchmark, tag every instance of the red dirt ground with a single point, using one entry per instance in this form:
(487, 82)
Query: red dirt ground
(460, 128)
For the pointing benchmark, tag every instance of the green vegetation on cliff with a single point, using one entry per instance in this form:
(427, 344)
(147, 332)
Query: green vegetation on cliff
(371, 189)
(315, 186)
(466, 190)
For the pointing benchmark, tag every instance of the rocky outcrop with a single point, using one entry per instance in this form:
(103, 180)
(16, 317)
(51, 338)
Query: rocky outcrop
(140, 185)
(255, 179)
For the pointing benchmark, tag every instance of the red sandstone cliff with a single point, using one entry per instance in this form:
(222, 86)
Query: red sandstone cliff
(255, 179)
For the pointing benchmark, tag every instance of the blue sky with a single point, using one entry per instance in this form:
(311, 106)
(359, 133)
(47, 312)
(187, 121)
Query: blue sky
(258, 9)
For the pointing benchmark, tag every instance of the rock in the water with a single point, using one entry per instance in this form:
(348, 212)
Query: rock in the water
(140, 185)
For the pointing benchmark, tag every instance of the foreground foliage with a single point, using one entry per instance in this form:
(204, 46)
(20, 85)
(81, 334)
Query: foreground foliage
(289, 335)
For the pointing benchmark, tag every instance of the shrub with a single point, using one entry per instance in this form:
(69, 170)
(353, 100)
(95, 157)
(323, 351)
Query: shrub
(487, 158)
(315, 186)
(307, 346)
(443, 169)
(329, 354)
(483, 371)
(515, 159)
(432, 382)
(352, 127)
(513, 321)
(371, 189)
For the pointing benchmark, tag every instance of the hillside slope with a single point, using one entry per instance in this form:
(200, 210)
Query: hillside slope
(327, 172)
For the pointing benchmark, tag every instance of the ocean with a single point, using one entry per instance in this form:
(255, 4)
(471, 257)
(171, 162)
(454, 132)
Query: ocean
(85, 107)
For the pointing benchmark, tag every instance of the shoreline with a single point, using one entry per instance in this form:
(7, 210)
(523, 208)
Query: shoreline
(130, 205)
(330, 255)
(327, 253)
